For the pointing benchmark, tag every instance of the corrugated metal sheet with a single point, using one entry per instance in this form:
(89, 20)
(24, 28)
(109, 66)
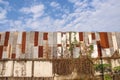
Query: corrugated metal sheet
(81, 36)
(104, 40)
(115, 45)
(52, 44)
(6, 38)
(23, 42)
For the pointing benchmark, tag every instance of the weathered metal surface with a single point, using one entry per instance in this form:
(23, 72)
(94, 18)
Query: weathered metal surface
(118, 38)
(104, 40)
(53, 44)
(115, 45)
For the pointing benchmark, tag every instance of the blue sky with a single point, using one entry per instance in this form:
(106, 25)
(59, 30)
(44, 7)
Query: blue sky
(59, 15)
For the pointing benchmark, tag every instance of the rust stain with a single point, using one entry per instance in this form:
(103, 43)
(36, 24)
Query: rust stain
(99, 49)
(23, 41)
(93, 36)
(36, 39)
(59, 45)
(45, 36)
(81, 36)
(9, 51)
(40, 51)
(13, 55)
(0, 37)
(67, 45)
(1, 51)
(104, 40)
(6, 38)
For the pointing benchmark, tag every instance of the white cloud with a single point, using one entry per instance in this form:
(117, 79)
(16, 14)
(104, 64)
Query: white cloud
(55, 4)
(3, 9)
(2, 14)
(104, 16)
(36, 10)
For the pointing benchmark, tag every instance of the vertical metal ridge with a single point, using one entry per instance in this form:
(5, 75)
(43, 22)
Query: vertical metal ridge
(104, 39)
(99, 49)
(93, 36)
(45, 36)
(1, 51)
(81, 36)
(36, 38)
(6, 38)
(23, 41)
(40, 51)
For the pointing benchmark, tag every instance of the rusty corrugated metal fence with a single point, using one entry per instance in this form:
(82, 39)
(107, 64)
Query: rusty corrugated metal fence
(29, 45)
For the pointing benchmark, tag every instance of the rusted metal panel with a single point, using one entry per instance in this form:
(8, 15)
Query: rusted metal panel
(0, 37)
(104, 40)
(22, 69)
(13, 55)
(1, 51)
(81, 36)
(93, 36)
(36, 38)
(99, 49)
(6, 38)
(40, 51)
(45, 36)
(23, 41)
(6, 68)
(43, 69)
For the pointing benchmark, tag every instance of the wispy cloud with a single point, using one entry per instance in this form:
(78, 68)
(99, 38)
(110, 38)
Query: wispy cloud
(75, 15)
(55, 4)
(36, 10)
